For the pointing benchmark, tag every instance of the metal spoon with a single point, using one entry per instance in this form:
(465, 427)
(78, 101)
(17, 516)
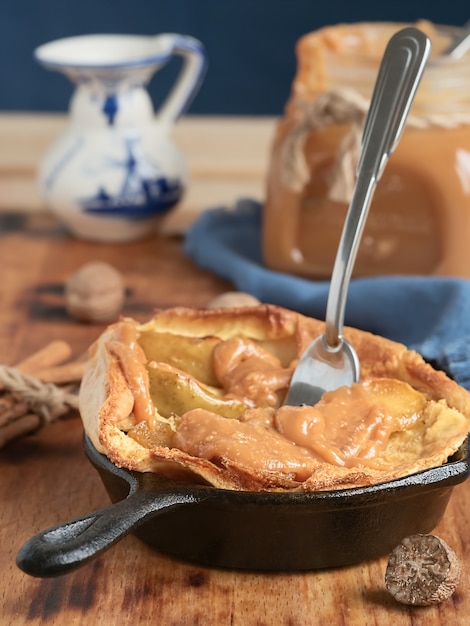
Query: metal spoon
(330, 361)
(457, 48)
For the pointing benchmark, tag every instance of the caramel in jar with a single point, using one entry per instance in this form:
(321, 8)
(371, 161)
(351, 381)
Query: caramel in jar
(419, 221)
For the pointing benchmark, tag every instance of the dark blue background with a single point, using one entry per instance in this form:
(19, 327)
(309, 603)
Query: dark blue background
(250, 43)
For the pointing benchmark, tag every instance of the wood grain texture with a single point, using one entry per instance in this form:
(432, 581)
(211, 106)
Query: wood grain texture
(46, 479)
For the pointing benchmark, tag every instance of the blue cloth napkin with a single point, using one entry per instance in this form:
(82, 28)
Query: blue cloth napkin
(428, 314)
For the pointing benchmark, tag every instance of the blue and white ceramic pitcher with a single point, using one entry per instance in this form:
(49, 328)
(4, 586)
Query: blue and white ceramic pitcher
(115, 169)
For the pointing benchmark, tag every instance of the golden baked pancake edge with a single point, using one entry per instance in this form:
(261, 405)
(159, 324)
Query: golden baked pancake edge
(118, 411)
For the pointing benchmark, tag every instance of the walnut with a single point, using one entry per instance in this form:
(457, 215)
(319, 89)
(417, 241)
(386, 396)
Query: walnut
(233, 299)
(95, 293)
(422, 570)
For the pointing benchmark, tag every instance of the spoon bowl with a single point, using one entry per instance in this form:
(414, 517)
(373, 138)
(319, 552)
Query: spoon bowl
(334, 366)
(330, 362)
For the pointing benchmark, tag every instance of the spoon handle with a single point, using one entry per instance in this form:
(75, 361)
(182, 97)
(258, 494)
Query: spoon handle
(457, 48)
(398, 78)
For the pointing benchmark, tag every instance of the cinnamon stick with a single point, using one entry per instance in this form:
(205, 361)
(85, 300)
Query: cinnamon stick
(26, 424)
(52, 354)
(68, 373)
(7, 400)
(48, 365)
(16, 410)
(45, 361)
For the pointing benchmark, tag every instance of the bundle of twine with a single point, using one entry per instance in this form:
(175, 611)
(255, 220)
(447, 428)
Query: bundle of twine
(38, 390)
(46, 400)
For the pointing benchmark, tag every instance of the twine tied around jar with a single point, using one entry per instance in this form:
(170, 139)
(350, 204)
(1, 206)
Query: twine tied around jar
(342, 106)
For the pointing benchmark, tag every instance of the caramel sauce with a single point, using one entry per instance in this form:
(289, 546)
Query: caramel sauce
(154, 416)
(247, 370)
(352, 425)
(419, 218)
(349, 427)
(132, 360)
(253, 443)
(420, 214)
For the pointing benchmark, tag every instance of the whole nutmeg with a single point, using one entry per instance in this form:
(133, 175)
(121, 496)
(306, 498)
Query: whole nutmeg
(233, 299)
(95, 293)
(422, 570)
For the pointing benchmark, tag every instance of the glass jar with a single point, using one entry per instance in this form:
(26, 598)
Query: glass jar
(419, 221)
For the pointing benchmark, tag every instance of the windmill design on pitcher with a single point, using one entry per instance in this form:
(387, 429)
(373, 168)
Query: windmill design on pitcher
(144, 192)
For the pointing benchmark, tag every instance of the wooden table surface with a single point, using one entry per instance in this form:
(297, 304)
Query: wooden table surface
(46, 479)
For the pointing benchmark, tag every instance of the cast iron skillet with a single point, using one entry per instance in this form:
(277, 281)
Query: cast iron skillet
(247, 530)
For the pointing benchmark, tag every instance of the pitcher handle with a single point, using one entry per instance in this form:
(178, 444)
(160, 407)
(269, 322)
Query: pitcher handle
(189, 79)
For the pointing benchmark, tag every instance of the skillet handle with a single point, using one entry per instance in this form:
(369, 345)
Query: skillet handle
(67, 546)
